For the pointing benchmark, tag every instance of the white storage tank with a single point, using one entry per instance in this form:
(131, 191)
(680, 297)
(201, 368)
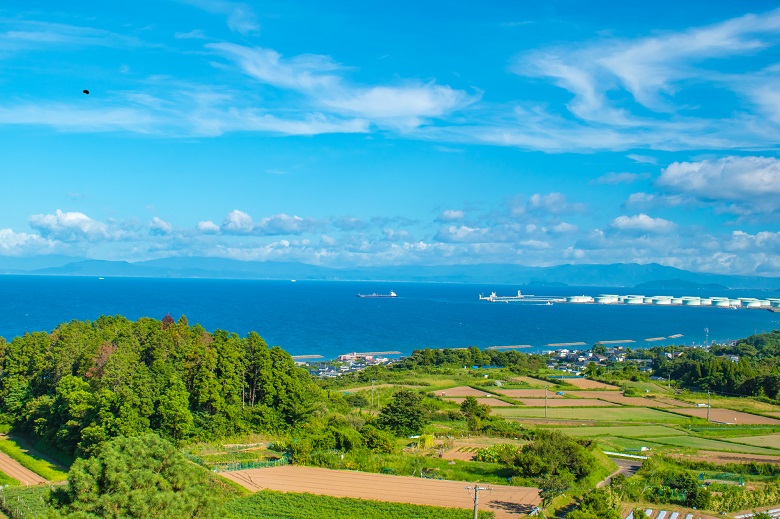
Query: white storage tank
(635, 300)
(764, 303)
(691, 302)
(735, 302)
(579, 299)
(648, 300)
(677, 300)
(721, 303)
(775, 304)
(664, 301)
(751, 304)
(606, 299)
(705, 301)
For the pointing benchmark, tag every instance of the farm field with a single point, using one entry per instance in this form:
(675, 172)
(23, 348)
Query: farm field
(534, 382)
(285, 505)
(772, 440)
(694, 442)
(729, 416)
(604, 414)
(634, 431)
(505, 501)
(492, 402)
(528, 393)
(16, 470)
(565, 402)
(611, 396)
(584, 383)
(461, 391)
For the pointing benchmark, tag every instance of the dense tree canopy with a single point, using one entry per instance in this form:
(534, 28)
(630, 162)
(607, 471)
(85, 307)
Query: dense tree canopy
(405, 414)
(143, 477)
(90, 381)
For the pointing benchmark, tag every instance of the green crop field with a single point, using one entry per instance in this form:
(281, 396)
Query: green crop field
(288, 505)
(633, 431)
(32, 460)
(628, 445)
(599, 414)
(772, 441)
(693, 442)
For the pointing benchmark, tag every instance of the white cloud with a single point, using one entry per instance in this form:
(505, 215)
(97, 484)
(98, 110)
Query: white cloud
(551, 203)
(643, 223)
(641, 199)
(564, 227)
(208, 227)
(753, 183)
(70, 226)
(238, 222)
(282, 224)
(23, 244)
(450, 215)
(461, 234)
(160, 226)
(396, 235)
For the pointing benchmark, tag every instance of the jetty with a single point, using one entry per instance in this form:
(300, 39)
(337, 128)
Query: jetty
(514, 347)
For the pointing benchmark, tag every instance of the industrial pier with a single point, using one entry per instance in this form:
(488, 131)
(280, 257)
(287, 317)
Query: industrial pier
(635, 299)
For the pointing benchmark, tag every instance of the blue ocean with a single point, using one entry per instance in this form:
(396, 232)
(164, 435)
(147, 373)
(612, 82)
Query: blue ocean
(325, 318)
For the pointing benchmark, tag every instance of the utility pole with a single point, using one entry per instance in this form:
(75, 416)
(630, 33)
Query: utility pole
(545, 401)
(708, 405)
(476, 489)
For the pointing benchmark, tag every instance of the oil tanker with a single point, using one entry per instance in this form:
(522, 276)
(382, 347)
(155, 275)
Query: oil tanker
(391, 294)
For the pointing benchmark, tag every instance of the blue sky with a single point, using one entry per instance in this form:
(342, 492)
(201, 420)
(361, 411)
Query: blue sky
(364, 133)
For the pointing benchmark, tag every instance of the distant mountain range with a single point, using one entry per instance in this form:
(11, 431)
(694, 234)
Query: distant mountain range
(651, 275)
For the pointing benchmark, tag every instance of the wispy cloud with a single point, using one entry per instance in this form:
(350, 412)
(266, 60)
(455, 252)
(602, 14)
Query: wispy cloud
(621, 178)
(241, 17)
(321, 79)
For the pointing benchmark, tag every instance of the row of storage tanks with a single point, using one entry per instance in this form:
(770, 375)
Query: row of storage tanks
(722, 302)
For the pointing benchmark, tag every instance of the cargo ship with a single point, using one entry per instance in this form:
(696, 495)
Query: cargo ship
(391, 294)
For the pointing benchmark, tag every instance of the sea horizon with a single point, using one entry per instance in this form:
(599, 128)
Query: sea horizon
(325, 318)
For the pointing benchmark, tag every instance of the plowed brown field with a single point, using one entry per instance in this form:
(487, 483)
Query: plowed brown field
(507, 502)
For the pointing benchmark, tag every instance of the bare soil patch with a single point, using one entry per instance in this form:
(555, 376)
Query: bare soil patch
(462, 391)
(611, 396)
(566, 402)
(505, 501)
(528, 393)
(13, 468)
(585, 383)
(492, 402)
(728, 416)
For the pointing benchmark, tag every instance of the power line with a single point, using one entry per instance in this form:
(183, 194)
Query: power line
(475, 497)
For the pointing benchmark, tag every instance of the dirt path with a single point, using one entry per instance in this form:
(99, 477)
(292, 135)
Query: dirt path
(14, 469)
(626, 467)
(505, 501)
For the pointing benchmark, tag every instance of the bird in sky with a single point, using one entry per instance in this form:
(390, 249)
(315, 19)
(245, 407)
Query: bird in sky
(86, 91)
